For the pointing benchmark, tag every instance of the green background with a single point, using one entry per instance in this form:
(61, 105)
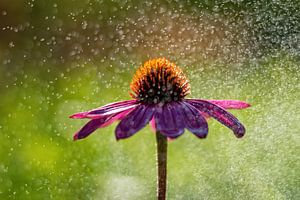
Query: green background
(62, 57)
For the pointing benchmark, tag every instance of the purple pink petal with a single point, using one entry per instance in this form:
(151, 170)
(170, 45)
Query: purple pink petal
(101, 122)
(229, 104)
(219, 114)
(108, 109)
(226, 104)
(152, 124)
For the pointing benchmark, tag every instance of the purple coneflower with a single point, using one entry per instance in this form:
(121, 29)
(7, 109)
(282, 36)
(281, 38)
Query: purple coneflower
(158, 89)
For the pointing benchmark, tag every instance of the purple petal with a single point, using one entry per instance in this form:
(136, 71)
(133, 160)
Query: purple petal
(194, 121)
(118, 103)
(118, 116)
(219, 114)
(94, 124)
(152, 124)
(134, 121)
(90, 127)
(108, 109)
(169, 120)
(229, 104)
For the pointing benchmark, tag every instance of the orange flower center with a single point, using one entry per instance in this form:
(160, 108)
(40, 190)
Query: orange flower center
(159, 81)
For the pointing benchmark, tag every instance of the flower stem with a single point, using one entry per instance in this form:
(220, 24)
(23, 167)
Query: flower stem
(162, 147)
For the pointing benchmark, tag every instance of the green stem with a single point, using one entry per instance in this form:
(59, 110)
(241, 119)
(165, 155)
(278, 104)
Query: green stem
(162, 147)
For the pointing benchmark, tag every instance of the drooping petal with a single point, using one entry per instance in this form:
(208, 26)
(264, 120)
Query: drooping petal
(108, 109)
(219, 114)
(134, 121)
(169, 120)
(194, 121)
(94, 124)
(226, 104)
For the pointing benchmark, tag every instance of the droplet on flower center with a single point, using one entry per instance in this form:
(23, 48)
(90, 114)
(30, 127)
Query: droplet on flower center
(159, 81)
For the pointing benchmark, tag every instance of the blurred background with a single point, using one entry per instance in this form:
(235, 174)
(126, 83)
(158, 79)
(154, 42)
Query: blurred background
(58, 57)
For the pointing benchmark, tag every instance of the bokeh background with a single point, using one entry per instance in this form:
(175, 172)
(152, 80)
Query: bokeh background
(58, 57)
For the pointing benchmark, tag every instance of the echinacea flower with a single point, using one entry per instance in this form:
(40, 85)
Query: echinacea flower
(159, 89)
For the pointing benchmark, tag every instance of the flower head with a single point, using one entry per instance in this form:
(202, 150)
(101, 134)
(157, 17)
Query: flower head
(159, 88)
(159, 81)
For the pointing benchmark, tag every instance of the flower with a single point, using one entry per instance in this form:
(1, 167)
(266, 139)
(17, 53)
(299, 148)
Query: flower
(158, 91)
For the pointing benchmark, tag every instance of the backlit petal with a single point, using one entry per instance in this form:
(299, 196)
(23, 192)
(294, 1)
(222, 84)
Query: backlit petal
(152, 124)
(108, 109)
(230, 104)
